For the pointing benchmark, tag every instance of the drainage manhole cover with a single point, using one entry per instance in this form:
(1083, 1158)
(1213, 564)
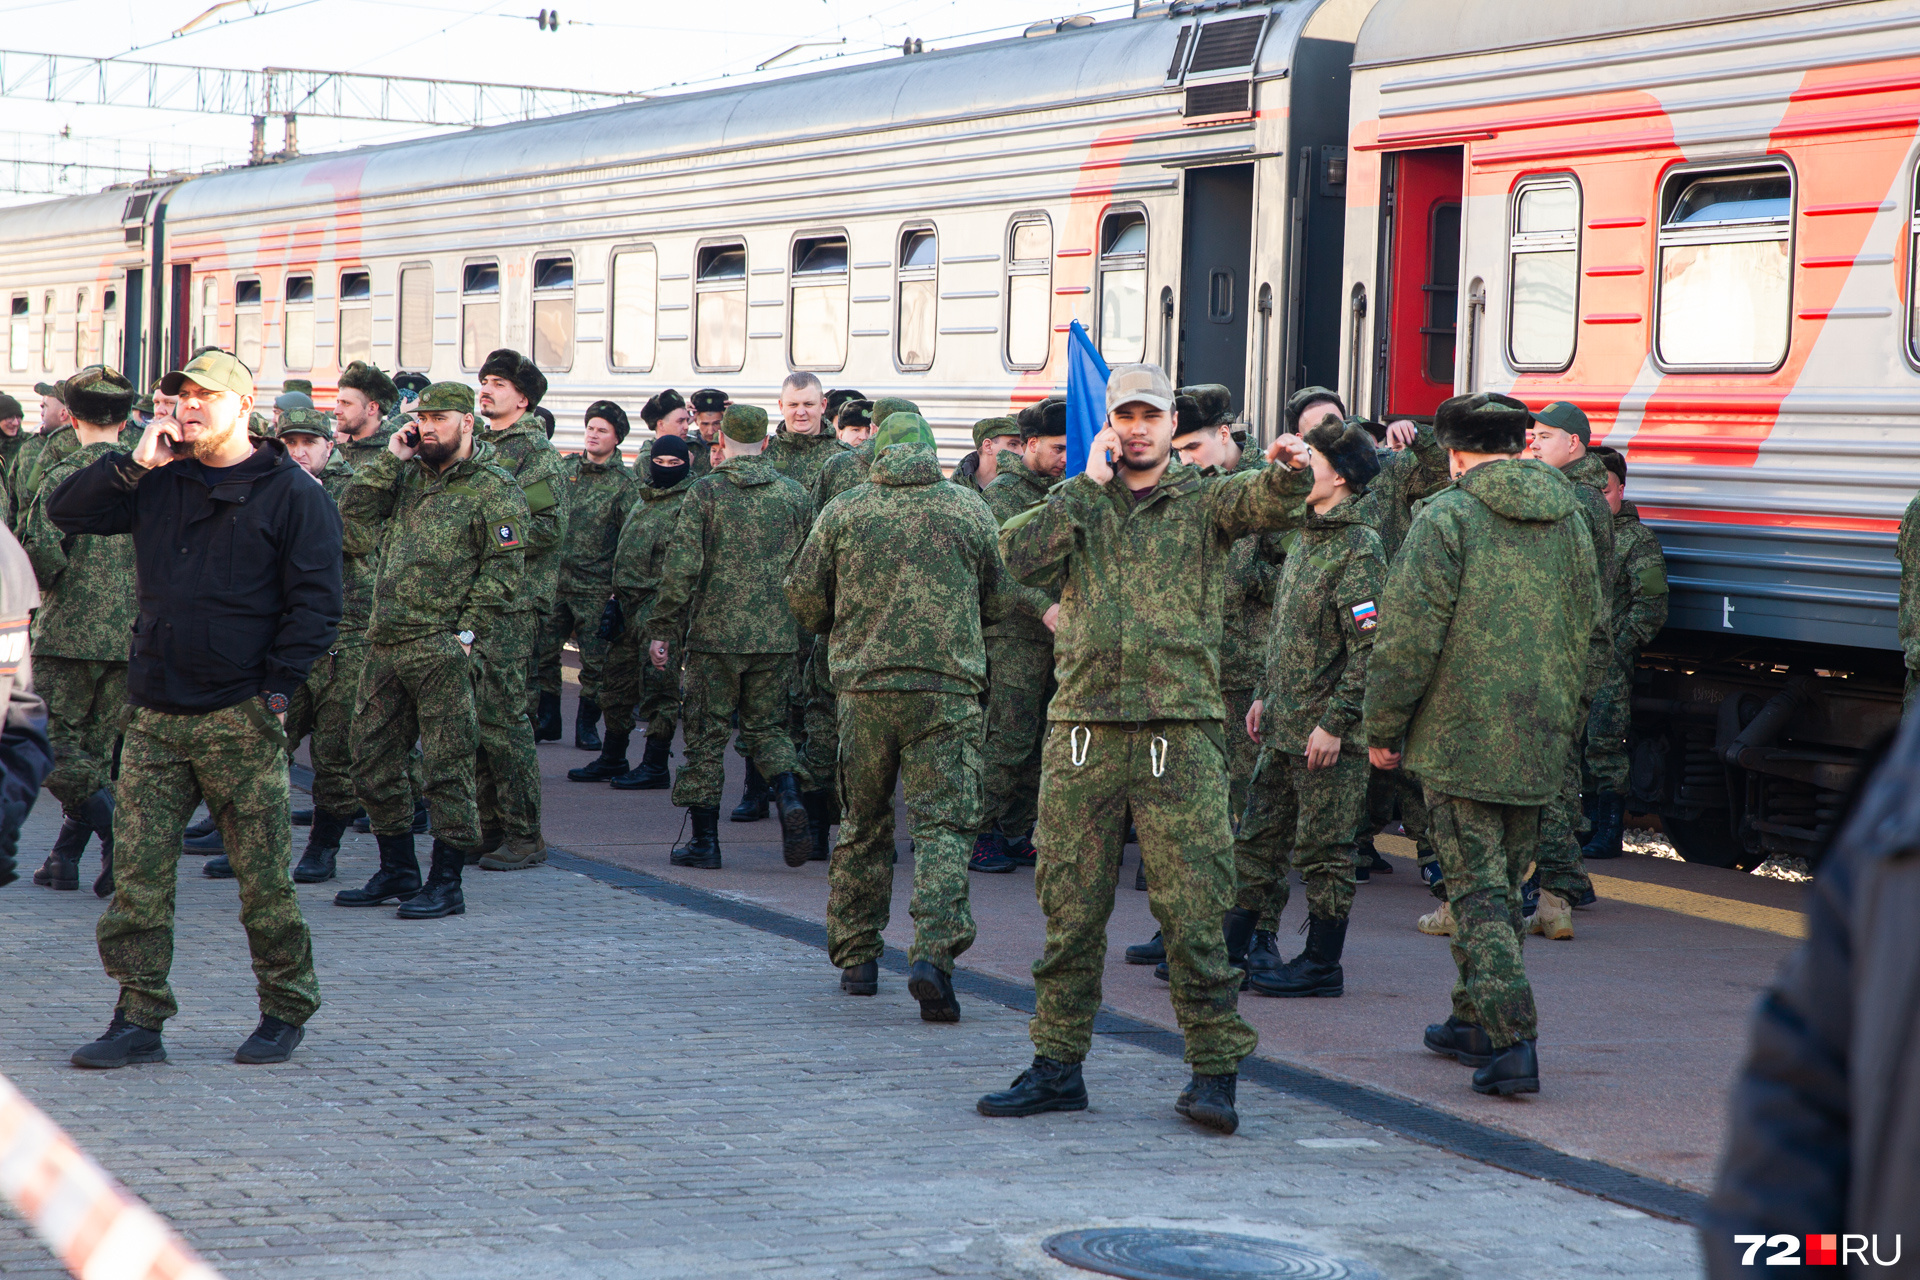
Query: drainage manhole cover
(1148, 1253)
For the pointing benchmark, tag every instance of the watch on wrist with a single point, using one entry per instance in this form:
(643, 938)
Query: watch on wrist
(464, 637)
(276, 702)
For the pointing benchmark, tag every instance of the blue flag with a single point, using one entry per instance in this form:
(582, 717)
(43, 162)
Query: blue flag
(1086, 397)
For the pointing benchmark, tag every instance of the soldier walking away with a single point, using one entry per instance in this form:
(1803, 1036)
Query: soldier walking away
(599, 490)
(26, 757)
(1136, 727)
(991, 438)
(739, 529)
(1309, 788)
(447, 521)
(87, 610)
(1493, 634)
(508, 780)
(896, 578)
(237, 568)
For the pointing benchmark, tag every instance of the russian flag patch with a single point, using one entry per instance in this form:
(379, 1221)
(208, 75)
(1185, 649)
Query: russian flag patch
(1365, 616)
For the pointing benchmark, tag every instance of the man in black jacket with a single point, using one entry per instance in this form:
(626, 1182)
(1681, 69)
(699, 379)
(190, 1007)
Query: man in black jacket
(237, 566)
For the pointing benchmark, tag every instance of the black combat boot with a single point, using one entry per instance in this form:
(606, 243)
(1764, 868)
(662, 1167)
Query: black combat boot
(933, 988)
(1514, 1069)
(1609, 824)
(62, 867)
(422, 817)
(441, 895)
(1152, 951)
(796, 843)
(211, 843)
(989, 855)
(546, 724)
(301, 817)
(586, 725)
(1208, 1100)
(99, 814)
(323, 846)
(1047, 1085)
(203, 827)
(1237, 927)
(398, 876)
(861, 979)
(1315, 971)
(1263, 954)
(651, 774)
(1366, 855)
(822, 813)
(753, 805)
(218, 867)
(1140, 875)
(612, 762)
(1462, 1041)
(703, 851)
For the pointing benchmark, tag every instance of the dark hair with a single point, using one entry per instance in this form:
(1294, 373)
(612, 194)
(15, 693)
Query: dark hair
(371, 383)
(1613, 460)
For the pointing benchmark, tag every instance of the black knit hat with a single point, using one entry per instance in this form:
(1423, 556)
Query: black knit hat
(709, 400)
(616, 417)
(1485, 422)
(660, 405)
(520, 371)
(1306, 396)
(98, 395)
(1350, 449)
(371, 383)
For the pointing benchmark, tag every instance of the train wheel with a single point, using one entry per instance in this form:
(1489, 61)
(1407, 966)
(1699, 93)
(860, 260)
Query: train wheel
(1705, 840)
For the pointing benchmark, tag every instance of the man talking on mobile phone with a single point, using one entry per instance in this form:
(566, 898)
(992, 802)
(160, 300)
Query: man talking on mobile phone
(237, 574)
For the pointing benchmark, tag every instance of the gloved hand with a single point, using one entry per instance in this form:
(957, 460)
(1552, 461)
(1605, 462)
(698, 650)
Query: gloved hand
(613, 621)
(11, 816)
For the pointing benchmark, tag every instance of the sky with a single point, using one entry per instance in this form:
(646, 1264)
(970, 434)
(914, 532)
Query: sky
(609, 45)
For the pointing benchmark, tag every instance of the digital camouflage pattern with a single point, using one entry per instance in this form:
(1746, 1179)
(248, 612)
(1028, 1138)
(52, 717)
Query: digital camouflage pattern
(40, 453)
(841, 472)
(1484, 850)
(634, 685)
(1253, 567)
(416, 690)
(235, 759)
(1491, 616)
(1415, 472)
(357, 453)
(736, 537)
(930, 744)
(1019, 671)
(1326, 612)
(1139, 628)
(86, 705)
(87, 602)
(1015, 489)
(1092, 776)
(1299, 819)
(323, 713)
(599, 494)
(1639, 611)
(524, 452)
(801, 458)
(719, 686)
(507, 773)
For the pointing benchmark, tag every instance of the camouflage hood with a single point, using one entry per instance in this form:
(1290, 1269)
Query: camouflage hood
(906, 464)
(1521, 489)
(745, 472)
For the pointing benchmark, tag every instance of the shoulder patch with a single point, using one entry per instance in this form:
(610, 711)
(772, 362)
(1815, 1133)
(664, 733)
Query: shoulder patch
(1365, 616)
(508, 535)
(540, 497)
(1653, 580)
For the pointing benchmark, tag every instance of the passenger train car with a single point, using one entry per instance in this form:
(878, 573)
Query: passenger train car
(1695, 220)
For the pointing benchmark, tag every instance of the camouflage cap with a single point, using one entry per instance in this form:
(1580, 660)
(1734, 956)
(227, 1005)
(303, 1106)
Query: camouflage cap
(445, 397)
(745, 422)
(903, 428)
(303, 385)
(987, 428)
(886, 406)
(143, 404)
(259, 426)
(98, 395)
(215, 370)
(49, 389)
(1139, 384)
(305, 422)
(1485, 422)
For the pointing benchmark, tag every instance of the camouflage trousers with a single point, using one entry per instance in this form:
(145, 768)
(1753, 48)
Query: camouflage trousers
(718, 684)
(576, 617)
(1172, 776)
(323, 712)
(418, 689)
(1607, 723)
(818, 745)
(634, 691)
(931, 743)
(1019, 685)
(1391, 791)
(1562, 825)
(1242, 752)
(1484, 850)
(507, 772)
(236, 760)
(795, 714)
(1305, 817)
(86, 706)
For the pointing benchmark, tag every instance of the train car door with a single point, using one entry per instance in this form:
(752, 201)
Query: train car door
(133, 332)
(1216, 273)
(1420, 271)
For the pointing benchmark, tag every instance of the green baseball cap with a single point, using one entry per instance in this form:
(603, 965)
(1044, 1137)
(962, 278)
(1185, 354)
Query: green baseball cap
(305, 422)
(1568, 418)
(445, 397)
(746, 423)
(302, 385)
(903, 428)
(886, 406)
(53, 389)
(215, 370)
(987, 428)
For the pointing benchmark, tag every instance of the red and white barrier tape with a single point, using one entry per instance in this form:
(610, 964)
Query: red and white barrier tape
(95, 1228)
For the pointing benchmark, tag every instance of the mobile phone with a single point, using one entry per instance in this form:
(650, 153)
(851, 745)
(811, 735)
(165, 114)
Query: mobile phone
(410, 437)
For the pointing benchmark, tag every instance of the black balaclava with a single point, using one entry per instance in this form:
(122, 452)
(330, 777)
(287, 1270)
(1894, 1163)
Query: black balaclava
(668, 447)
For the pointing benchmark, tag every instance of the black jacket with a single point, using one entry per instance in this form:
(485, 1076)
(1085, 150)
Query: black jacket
(237, 571)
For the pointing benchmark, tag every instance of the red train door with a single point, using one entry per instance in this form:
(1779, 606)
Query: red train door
(1420, 270)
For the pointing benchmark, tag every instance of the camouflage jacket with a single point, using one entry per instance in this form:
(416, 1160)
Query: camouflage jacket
(1639, 584)
(10, 446)
(800, 458)
(1253, 567)
(1493, 636)
(37, 457)
(1139, 623)
(899, 574)
(1589, 476)
(356, 571)
(841, 472)
(598, 495)
(699, 457)
(530, 458)
(449, 543)
(642, 549)
(739, 529)
(1417, 471)
(1326, 609)
(87, 600)
(966, 473)
(1013, 490)
(360, 452)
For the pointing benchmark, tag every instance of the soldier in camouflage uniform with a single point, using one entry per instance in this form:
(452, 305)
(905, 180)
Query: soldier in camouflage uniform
(1639, 611)
(667, 414)
(1560, 439)
(708, 406)
(898, 575)
(448, 523)
(803, 445)
(1309, 788)
(720, 587)
(1136, 726)
(53, 421)
(1019, 655)
(87, 610)
(11, 435)
(599, 491)
(366, 411)
(853, 424)
(1493, 634)
(991, 438)
(508, 781)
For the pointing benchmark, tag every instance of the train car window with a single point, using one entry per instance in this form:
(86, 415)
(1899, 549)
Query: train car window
(1543, 282)
(817, 329)
(1725, 283)
(17, 334)
(636, 313)
(918, 300)
(479, 312)
(416, 318)
(206, 334)
(83, 352)
(720, 308)
(110, 326)
(1913, 276)
(246, 323)
(1030, 293)
(46, 333)
(296, 342)
(553, 313)
(1123, 287)
(356, 317)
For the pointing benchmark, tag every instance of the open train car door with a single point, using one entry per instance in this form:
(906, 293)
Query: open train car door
(1216, 273)
(1419, 273)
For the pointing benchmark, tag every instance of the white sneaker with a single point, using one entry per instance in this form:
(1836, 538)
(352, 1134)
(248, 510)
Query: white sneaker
(1553, 918)
(1438, 922)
